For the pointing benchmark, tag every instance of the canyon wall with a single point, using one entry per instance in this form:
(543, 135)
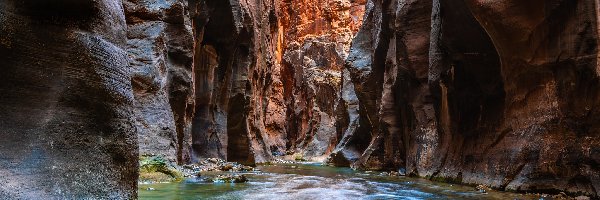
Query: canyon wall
(85, 84)
(267, 76)
(68, 125)
(501, 93)
(160, 48)
(235, 80)
(448, 90)
(315, 38)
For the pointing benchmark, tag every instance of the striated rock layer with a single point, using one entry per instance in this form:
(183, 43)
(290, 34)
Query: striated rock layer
(234, 78)
(315, 39)
(85, 83)
(160, 48)
(267, 76)
(502, 93)
(67, 123)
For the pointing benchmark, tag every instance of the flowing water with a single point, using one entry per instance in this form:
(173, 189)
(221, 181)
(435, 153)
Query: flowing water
(313, 181)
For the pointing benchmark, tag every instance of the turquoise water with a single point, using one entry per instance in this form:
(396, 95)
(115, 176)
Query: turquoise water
(313, 181)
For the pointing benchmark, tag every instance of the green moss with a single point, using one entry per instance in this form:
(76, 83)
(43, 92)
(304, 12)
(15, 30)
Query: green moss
(266, 163)
(158, 169)
(299, 157)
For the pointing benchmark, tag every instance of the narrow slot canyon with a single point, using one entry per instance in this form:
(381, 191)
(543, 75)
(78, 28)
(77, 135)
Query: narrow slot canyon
(299, 99)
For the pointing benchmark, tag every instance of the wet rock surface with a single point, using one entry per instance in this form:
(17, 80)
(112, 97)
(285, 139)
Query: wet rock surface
(238, 178)
(214, 170)
(215, 164)
(157, 169)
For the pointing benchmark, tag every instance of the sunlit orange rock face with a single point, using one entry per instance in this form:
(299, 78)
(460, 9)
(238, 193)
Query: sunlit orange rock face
(335, 20)
(268, 76)
(315, 37)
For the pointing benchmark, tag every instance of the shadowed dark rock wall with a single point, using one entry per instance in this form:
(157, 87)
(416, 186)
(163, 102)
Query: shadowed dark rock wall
(550, 135)
(67, 119)
(501, 93)
(160, 47)
(234, 66)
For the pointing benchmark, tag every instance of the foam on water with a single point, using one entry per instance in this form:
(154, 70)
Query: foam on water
(318, 183)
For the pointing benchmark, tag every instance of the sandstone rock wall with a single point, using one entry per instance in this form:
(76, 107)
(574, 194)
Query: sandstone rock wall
(234, 78)
(548, 53)
(316, 38)
(501, 93)
(267, 76)
(160, 47)
(67, 123)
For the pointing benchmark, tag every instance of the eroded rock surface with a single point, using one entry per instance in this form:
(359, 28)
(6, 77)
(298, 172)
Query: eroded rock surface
(316, 39)
(549, 55)
(234, 79)
(160, 45)
(501, 93)
(268, 76)
(67, 123)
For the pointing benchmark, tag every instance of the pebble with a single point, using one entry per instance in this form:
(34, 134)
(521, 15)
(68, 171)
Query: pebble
(483, 188)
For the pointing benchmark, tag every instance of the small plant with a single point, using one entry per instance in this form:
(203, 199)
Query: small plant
(158, 169)
(153, 164)
(299, 157)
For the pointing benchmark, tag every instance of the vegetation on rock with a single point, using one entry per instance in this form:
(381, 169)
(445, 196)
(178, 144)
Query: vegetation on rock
(155, 168)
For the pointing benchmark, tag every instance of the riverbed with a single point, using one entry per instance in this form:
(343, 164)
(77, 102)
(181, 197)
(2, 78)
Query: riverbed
(318, 182)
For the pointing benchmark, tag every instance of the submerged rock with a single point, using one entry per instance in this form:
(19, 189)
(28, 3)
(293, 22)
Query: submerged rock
(561, 195)
(214, 165)
(483, 188)
(230, 178)
(402, 172)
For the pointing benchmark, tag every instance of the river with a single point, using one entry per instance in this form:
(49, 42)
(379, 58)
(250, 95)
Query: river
(314, 181)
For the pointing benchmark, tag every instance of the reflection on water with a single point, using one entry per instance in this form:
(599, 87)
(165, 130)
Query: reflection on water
(317, 182)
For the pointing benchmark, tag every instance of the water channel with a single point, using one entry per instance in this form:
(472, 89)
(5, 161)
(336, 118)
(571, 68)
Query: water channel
(318, 182)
